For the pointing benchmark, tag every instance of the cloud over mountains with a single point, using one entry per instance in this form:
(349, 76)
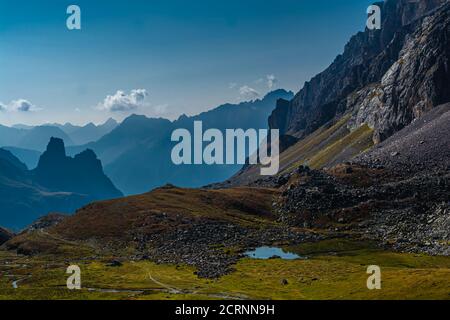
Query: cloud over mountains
(123, 102)
(19, 105)
(271, 81)
(248, 92)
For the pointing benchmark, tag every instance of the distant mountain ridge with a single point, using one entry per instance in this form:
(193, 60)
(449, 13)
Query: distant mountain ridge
(10, 136)
(35, 138)
(29, 157)
(137, 154)
(89, 132)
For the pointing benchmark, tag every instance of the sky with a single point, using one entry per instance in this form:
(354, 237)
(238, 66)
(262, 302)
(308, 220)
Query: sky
(161, 58)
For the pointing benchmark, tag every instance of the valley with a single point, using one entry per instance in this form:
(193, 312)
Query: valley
(363, 184)
(334, 270)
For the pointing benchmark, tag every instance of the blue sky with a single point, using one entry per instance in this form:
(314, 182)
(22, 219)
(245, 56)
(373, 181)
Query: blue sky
(167, 57)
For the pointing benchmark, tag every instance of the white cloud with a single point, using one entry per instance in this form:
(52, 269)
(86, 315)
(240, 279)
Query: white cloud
(122, 102)
(19, 105)
(248, 93)
(232, 85)
(271, 81)
(160, 109)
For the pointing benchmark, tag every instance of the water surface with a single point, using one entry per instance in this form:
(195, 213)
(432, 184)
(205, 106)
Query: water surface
(271, 252)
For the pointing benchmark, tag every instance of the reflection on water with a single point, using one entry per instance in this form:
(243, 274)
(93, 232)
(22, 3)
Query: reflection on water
(271, 252)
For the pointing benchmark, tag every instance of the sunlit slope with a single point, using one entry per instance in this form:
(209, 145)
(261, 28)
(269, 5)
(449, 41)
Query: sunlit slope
(164, 210)
(327, 146)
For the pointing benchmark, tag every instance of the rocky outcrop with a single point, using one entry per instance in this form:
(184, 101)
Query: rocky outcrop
(404, 65)
(405, 213)
(81, 174)
(59, 184)
(413, 85)
(46, 222)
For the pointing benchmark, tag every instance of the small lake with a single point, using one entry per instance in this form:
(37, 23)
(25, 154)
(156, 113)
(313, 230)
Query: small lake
(271, 252)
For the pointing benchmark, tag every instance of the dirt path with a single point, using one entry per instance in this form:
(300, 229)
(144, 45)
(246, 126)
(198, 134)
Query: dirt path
(169, 288)
(174, 290)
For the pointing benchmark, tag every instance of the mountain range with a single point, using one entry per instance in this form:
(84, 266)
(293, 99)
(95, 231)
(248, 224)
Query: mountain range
(378, 89)
(88, 133)
(35, 138)
(365, 177)
(137, 154)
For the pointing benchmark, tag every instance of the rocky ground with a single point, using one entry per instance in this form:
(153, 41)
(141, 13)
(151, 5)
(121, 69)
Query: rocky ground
(409, 215)
(396, 193)
(215, 247)
(422, 146)
(46, 222)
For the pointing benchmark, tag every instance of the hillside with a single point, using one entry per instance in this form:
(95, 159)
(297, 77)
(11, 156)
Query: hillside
(330, 145)
(329, 126)
(396, 193)
(364, 184)
(10, 136)
(163, 223)
(29, 157)
(5, 235)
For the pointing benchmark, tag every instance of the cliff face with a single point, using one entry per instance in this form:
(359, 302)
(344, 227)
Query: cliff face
(82, 174)
(408, 45)
(417, 82)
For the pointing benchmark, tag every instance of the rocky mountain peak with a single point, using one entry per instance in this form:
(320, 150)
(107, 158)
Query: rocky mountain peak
(86, 155)
(370, 57)
(81, 174)
(56, 148)
(276, 94)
